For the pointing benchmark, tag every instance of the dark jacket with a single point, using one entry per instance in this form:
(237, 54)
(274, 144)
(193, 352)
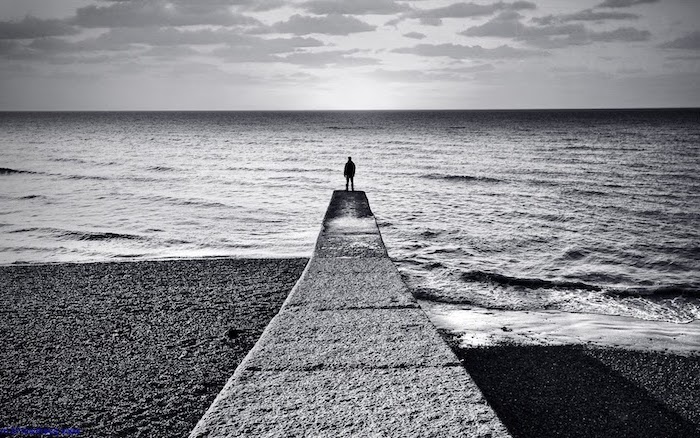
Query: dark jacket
(349, 169)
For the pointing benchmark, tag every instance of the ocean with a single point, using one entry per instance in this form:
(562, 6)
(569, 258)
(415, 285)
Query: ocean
(576, 211)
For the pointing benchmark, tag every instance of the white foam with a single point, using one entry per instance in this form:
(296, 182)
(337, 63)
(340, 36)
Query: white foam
(485, 327)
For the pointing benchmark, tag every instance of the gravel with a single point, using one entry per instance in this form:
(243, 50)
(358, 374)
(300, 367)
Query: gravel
(130, 349)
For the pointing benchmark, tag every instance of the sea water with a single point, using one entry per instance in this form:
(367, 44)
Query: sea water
(581, 212)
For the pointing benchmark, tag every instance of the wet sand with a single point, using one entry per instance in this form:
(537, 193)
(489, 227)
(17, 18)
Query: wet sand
(130, 349)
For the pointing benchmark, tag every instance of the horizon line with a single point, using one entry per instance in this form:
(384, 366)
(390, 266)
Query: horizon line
(349, 110)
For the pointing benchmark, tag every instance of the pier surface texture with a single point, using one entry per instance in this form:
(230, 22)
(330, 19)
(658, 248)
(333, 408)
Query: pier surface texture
(350, 353)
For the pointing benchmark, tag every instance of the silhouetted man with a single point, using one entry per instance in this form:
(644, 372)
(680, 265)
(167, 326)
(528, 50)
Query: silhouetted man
(349, 174)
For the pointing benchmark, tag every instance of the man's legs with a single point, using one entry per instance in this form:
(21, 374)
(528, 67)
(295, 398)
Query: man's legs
(347, 179)
(352, 183)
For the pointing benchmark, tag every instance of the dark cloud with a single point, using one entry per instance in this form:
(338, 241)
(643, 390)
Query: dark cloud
(59, 45)
(145, 13)
(585, 15)
(457, 51)
(690, 42)
(166, 43)
(31, 27)
(237, 54)
(265, 5)
(9, 47)
(415, 35)
(170, 52)
(412, 76)
(430, 76)
(353, 7)
(433, 17)
(324, 59)
(624, 34)
(329, 25)
(473, 68)
(623, 3)
(508, 25)
(255, 49)
(171, 36)
(99, 59)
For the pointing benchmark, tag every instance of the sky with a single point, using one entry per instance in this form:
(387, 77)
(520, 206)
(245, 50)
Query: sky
(348, 54)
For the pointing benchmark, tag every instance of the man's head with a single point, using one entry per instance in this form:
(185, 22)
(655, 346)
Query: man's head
(349, 158)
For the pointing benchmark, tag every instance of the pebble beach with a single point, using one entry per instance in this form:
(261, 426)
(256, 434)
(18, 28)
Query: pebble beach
(133, 349)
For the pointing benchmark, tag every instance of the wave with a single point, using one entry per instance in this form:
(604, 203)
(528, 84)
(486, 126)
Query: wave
(162, 169)
(448, 177)
(84, 177)
(198, 202)
(531, 283)
(401, 142)
(430, 234)
(673, 290)
(203, 203)
(99, 236)
(8, 171)
(68, 160)
(79, 235)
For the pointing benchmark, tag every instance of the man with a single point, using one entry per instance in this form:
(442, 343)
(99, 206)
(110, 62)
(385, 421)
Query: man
(349, 174)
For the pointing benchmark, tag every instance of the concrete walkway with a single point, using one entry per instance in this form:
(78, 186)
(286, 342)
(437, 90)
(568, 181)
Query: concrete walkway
(350, 353)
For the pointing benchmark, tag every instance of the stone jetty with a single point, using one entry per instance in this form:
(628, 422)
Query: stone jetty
(350, 353)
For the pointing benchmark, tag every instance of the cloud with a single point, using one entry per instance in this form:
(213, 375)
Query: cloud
(433, 17)
(508, 25)
(170, 36)
(457, 51)
(473, 68)
(328, 25)
(168, 43)
(255, 49)
(624, 34)
(623, 3)
(415, 35)
(145, 13)
(430, 76)
(353, 7)
(689, 42)
(323, 59)
(60, 45)
(9, 48)
(412, 76)
(585, 15)
(170, 52)
(31, 27)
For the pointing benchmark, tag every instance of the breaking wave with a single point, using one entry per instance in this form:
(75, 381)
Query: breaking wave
(532, 283)
(99, 236)
(8, 171)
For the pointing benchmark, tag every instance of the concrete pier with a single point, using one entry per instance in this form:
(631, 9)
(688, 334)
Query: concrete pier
(350, 353)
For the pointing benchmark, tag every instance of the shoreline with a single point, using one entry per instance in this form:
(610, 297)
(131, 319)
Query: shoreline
(480, 327)
(149, 259)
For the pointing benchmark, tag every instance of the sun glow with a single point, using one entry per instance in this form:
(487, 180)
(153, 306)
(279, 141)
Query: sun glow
(355, 94)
